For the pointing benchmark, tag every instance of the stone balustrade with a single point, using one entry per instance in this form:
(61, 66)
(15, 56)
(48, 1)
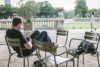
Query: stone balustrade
(39, 23)
(5, 24)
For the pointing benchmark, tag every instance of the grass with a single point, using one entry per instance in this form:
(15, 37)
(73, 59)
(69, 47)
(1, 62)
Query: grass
(82, 25)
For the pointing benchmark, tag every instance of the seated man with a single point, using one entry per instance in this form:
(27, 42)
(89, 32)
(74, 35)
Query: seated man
(14, 32)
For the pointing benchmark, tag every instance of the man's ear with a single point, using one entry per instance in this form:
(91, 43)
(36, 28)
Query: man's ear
(19, 24)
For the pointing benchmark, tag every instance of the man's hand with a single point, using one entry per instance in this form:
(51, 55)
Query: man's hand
(30, 40)
(28, 45)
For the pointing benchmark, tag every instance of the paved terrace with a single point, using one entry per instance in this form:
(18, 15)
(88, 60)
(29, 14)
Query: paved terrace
(89, 60)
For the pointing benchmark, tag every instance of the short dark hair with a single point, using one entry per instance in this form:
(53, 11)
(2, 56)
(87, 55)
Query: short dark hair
(16, 21)
(92, 13)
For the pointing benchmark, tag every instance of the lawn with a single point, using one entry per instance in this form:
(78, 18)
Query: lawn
(80, 25)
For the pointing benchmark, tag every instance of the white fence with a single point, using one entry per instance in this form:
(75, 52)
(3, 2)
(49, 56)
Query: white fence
(39, 23)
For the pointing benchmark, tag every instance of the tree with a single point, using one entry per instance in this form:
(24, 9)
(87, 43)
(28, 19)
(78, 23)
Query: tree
(99, 10)
(81, 7)
(46, 9)
(66, 14)
(87, 14)
(71, 14)
(78, 15)
(96, 13)
(92, 10)
(6, 10)
(29, 9)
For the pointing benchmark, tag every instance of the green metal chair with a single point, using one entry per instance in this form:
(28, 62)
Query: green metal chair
(62, 32)
(56, 59)
(15, 42)
(91, 37)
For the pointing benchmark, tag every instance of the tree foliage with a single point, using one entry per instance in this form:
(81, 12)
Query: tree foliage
(99, 10)
(7, 10)
(78, 15)
(81, 7)
(92, 10)
(29, 10)
(87, 15)
(46, 9)
(96, 13)
(68, 14)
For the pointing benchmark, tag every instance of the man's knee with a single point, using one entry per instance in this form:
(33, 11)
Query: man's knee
(36, 31)
(44, 32)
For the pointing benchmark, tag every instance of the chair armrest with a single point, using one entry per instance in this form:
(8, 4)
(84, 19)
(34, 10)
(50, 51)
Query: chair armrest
(74, 39)
(65, 52)
(25, 48)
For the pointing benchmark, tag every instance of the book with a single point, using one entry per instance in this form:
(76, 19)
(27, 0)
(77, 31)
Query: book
(28, 34)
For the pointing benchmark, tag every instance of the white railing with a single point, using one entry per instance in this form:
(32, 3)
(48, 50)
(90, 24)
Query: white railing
(39, 23)
(5, 24)
(44, 24)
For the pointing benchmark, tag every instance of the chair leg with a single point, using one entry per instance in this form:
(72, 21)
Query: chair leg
(73, 63)
(23, 62)
(27, 61)
(57, 65)
(9, 60)
(45, 54)
(67, 62)
(83, 59)
(98, 61)
(78, 62)
(66, 56)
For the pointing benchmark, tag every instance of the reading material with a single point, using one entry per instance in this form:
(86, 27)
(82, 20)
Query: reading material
(28, 34)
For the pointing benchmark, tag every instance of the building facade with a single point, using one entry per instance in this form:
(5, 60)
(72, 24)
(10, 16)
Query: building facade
(7, 1)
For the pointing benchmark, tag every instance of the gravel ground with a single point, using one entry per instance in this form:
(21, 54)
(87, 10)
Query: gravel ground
(18, 62)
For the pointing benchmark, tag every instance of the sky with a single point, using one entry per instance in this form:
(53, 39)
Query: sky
(66, 4)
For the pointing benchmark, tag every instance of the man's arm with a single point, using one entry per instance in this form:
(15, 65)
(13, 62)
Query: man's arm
(28, 45)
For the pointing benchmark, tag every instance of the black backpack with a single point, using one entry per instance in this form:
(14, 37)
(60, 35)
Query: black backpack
(39, 63)
(82, 48)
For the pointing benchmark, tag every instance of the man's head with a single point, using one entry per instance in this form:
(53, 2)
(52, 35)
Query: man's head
(17, 21)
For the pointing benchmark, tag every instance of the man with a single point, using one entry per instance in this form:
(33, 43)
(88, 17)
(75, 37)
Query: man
(14, 32)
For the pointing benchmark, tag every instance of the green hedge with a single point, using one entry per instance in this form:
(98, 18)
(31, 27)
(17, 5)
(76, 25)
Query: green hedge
(86, 20)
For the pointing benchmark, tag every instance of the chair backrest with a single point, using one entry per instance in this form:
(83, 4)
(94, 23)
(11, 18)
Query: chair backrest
(92, 37)
(62, 32)
(13, 42)
(44, 46)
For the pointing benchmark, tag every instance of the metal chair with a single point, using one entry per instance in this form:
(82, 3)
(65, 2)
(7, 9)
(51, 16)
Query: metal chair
(2, 43)
(56, 59)
(91, 37)
(62, 32)
(15, 42)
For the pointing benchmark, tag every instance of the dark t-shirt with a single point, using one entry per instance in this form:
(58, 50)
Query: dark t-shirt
(13, 33)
